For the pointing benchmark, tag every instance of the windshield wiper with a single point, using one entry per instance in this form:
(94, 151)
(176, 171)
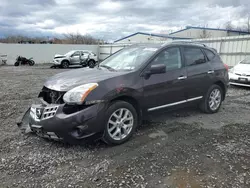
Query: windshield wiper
(107, 67)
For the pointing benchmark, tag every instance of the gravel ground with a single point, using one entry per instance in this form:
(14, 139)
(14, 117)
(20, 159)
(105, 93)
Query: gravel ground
(176, 149)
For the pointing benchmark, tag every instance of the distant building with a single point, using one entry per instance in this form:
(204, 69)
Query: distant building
(183, 34)
(141, 37)
(202, 32)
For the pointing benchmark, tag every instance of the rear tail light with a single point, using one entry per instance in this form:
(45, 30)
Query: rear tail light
(226, 66)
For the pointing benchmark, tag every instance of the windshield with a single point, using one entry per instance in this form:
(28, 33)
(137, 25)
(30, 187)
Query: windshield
(128, 59)
(245, 61)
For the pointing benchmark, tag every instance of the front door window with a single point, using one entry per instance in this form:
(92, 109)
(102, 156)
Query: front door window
(170, 57)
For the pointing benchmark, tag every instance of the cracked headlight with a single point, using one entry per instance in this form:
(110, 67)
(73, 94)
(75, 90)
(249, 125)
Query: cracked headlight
(78, 94)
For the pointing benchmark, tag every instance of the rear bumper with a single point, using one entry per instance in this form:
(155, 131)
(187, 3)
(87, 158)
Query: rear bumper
(52, 122)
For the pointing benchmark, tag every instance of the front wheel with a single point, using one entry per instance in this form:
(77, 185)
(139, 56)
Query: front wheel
(16, 63)
(120, 123)
(213, 99)
(65, 64)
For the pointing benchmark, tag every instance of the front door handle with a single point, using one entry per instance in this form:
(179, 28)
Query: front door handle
(182, 78)
(210, 72)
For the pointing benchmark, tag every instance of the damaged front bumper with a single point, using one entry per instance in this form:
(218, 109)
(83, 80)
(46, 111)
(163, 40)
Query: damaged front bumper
(63, 122)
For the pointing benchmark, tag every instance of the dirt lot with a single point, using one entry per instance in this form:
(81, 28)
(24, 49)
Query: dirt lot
(178, 149)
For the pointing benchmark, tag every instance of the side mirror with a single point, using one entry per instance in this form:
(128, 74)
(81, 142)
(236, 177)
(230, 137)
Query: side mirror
(157, 69)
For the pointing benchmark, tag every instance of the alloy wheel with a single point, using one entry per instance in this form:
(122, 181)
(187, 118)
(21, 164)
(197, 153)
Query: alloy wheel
(120, 124)
(65, 64)
(215, 99)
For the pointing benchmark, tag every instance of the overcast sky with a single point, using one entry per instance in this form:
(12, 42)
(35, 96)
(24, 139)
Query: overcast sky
(112, 19)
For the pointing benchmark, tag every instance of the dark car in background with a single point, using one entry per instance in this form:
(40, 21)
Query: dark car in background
(111, 100)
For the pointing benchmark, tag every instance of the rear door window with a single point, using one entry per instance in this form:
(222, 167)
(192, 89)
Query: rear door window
(193, 56)
(210, 54)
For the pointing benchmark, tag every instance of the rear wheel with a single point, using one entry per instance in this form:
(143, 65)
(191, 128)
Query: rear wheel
(31, 62)
(91, 64)
(213, 99)
(16, 63)
(121, 121)
(65, 64)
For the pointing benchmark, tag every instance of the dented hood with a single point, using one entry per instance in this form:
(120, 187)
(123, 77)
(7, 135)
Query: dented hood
(68, 80)
(59, 55)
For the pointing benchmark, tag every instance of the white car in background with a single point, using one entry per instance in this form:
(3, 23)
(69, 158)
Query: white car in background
(76, 57)
(240, 74)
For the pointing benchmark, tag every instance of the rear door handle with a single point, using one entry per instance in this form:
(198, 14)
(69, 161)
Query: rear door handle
(210, 72)
(182, 78)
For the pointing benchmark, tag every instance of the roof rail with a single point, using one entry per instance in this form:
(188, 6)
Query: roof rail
(188, 42)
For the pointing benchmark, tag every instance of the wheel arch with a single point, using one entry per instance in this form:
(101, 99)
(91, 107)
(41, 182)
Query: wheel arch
(65, 60)
(131, 100)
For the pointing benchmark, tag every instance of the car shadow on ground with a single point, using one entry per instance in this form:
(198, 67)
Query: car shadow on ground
(70, 67)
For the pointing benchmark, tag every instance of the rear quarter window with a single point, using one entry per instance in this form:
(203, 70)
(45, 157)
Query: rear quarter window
(210, 54)
(193, 56)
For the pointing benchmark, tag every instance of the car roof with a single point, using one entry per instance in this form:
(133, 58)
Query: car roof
(181, 43)
(152, 45)
(186, 43)
(81, 50)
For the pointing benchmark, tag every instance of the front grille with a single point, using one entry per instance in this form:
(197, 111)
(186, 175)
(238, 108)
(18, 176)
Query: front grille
(49, 112)
(52, 96)
(40, 132)
(238, 74)
(42, 113)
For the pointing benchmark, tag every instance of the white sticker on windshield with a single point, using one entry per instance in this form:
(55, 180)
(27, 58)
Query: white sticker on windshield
(150, 49)
(129, 68)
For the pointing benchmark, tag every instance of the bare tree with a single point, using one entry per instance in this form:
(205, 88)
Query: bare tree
(205, 34)
(77, 38)
(242, 28)
(229, 25)
(23, 39)
(69, 38)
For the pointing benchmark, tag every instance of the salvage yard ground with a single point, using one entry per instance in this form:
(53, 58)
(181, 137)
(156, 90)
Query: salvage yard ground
(179, 149)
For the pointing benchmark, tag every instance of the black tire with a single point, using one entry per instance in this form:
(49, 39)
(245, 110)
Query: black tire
(91, 63)
(16, 63)
(112, 108)
(31, 62)
(204, 106)
(65, 64)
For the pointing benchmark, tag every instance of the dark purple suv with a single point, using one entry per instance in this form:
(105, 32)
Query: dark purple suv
(111, 100)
